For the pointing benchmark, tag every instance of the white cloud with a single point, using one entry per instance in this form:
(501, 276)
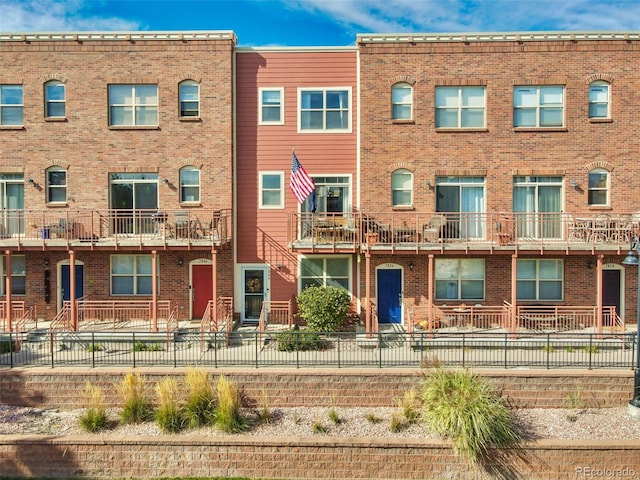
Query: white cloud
(56, 15)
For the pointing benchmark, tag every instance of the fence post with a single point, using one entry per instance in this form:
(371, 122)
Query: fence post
(215, 349)
(93, 350)
(463, 352)
(11, 349)
(133, 337)
(257, 339)
(506, 351)
(175, 351)
(339, 336)
(548, 349)
(379, 349)
(51, 347)
(590, 349)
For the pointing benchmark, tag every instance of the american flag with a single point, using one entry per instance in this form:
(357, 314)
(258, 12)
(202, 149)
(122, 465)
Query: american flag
(301, 183)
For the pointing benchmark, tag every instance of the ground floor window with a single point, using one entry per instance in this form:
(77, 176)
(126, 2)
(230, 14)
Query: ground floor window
(459, 279)
(325, 271)
(539, 279)
(18, 275)
(131, 274)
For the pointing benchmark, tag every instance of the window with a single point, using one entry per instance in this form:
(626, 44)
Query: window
(462, 199)
(54, 99)
(56, 185)
(460, 107)
(539, 279)
(18, 275)
(325, 271)
(333, 195)
(271, 106)
(133, 105)
(133, 196)
(537, 203)
(401, 101)
(131, 275)
(599, 100)
(459, 279)
(189, 93)
(189, 184)
(325, 109)
(538, 106)
(598, 187)
(402, 188)
(271, 194)
(11, 105)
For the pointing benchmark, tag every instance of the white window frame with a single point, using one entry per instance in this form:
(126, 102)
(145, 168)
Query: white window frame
(182, 101)
(540, 281)
(263, 189)
(538, 106)
(458, 104)
(400, 102)
(457, 281)
(595, 101)
(324, 110)
(134, 275)
(50, 102)
(605, 189)
(324, 279)
(50, 187)
(396, 189)
(133, 105)
(17, 270)
(4, 106)
(191, 186)
(264, 106)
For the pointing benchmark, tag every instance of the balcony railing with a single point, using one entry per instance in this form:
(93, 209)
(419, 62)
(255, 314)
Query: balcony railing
(455, 230)
(118, 227)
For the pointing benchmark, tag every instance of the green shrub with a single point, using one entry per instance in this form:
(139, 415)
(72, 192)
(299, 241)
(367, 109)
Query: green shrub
(94, 347)
(169, 416)
(6, 346)
(461, 406)
(94, 417)
(296, 340)
(200, 406)
(136, 408)
(228, 414)
(324, 308)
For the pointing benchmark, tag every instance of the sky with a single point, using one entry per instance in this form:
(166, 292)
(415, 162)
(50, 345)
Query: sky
(318, 22)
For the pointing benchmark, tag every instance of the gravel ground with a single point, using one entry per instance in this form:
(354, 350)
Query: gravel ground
(591, 424)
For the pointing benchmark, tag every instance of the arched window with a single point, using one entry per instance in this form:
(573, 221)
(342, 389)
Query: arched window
(189, 184)
(402, 188)
(401, 101)
(55, 99)
(189, 93)
(598, 187)
(56, 185)
(599, 100)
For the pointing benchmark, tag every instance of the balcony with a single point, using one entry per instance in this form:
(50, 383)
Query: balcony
(112, 229)
(455, 231)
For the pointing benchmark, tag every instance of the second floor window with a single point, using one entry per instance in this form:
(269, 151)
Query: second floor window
(189, 92)
(271, 194)
(538, 106)
(325, 109)
(460, 107)
(56, 185)
(401, 101)
(599, 100)
(54, 99)
(133, 105)
(11, 105)
(598, 187)
(189, 184)
(271, 106)
(402, 188)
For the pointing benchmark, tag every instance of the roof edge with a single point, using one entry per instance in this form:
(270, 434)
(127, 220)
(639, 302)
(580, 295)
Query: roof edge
(468, 37)
(118, 36)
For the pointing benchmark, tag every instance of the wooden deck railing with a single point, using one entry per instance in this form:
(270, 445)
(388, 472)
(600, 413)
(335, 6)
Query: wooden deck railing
(20, 315)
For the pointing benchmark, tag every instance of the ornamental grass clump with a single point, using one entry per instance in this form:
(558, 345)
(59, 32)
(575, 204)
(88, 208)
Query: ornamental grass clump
(199, 408)
(94, 417)
(228, 414)
(136, 407)
(169, 415)
(459, 405)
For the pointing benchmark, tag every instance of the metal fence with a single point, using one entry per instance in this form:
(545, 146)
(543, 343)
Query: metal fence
(338, 350)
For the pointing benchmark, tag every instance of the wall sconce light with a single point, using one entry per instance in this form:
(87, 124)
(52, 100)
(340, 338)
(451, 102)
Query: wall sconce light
(31, 181)
(165, 180)
(46, 262)
(180, 262)
(278, 265)
(573, 183)
(591, 264)
(411, 265)
(428, 184)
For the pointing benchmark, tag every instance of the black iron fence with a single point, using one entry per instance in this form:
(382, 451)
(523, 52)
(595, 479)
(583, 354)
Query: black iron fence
(307, 349)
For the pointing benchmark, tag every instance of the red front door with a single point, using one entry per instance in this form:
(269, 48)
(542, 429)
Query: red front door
(201, 289)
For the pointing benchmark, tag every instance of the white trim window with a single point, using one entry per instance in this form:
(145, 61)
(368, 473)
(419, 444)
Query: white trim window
(539, 279)
(460, 107)
(189, 184)
(132, 275)
(189, 99)
(598, 192)
(401, 188)
(133, 105)
(459, 279)
(56, 178)
(271, 106)
(401, 101)
(538, 107)
(333, 271)
(271, 194)
(55, 99)
(18, 275)
(599, 100)
(11, 105)
(324, 109)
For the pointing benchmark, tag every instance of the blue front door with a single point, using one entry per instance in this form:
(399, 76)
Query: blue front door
(66, 284)
(389, 284)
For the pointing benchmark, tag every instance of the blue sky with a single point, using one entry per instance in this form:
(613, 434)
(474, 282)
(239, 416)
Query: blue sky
(318, 22)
